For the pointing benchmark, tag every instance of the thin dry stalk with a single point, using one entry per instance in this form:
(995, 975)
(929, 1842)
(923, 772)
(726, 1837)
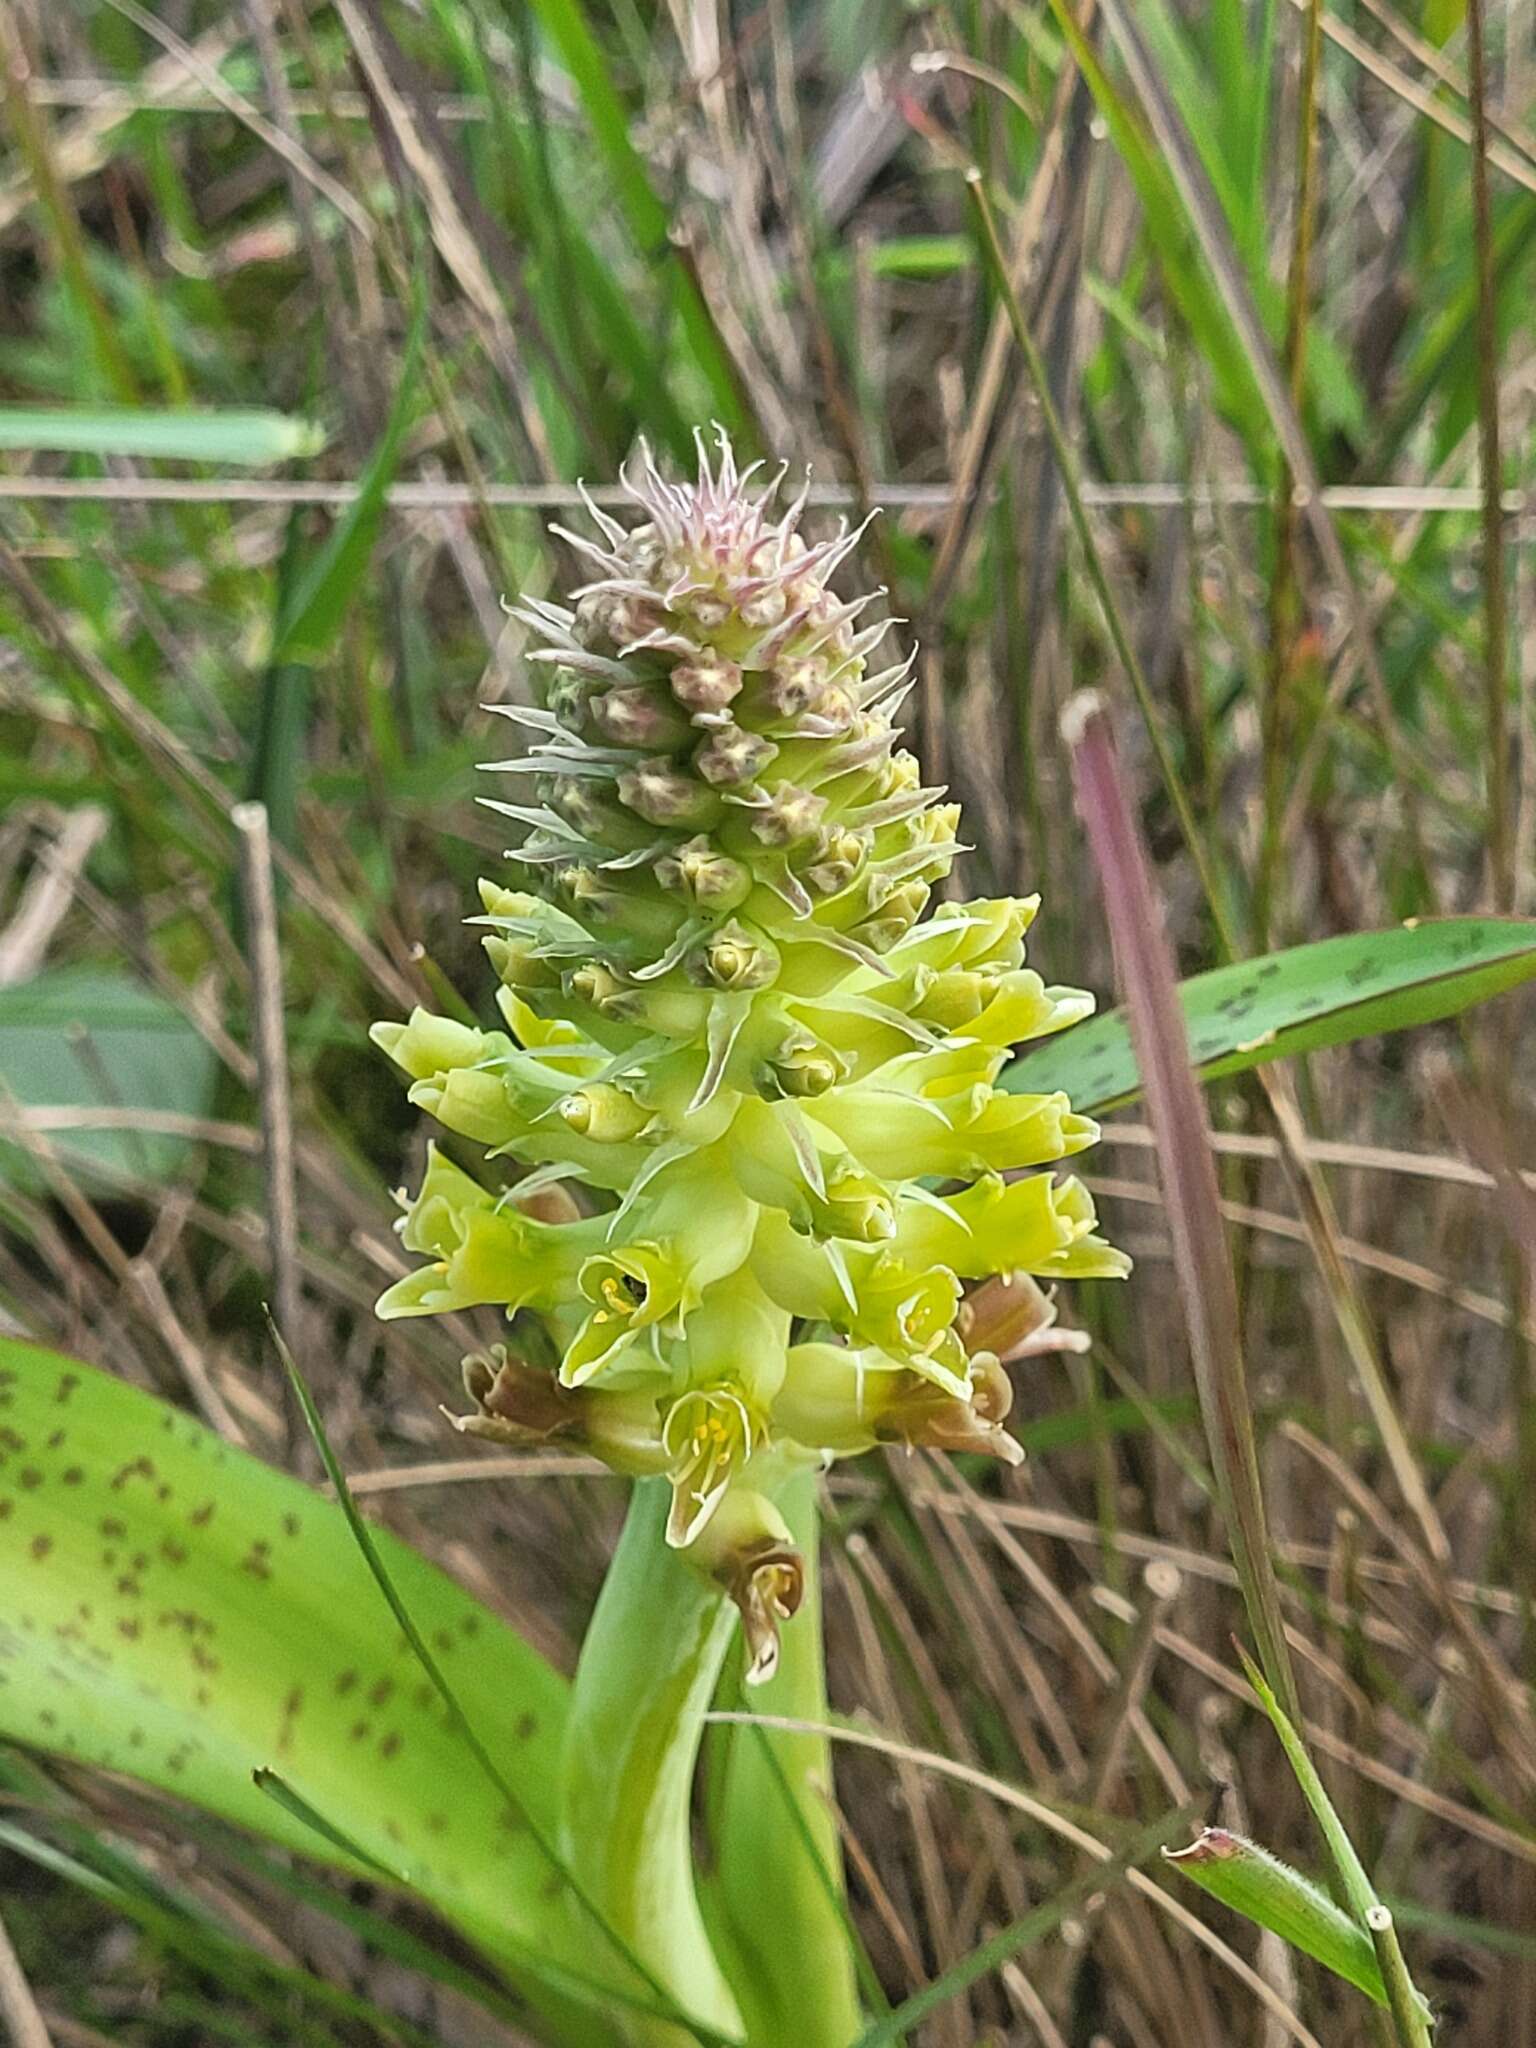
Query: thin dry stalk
(50, 891)
(1501, 803)
(270, 1044)
(18, 2008)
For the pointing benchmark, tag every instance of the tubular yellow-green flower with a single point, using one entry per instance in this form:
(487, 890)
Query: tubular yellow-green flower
(728, 1016)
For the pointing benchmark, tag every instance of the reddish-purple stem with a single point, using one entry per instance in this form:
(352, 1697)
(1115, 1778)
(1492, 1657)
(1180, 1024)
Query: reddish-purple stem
(1187, 1169)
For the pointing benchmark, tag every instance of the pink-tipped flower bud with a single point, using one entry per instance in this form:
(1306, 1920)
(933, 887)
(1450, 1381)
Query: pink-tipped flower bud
(634, 715)
(790, 816)
(706, 683)
(663, 794)
(831, 712)
(592, 626)
(698, 871)
(707, 608)
(793, 686)
(765, 608)
(732, 756)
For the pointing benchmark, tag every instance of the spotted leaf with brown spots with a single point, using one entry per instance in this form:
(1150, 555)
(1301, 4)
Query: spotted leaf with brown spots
(174, 1610)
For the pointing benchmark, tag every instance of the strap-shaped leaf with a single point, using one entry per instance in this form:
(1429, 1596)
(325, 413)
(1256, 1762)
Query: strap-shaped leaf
(1327, 993)
(176, 1611)
(247, 435)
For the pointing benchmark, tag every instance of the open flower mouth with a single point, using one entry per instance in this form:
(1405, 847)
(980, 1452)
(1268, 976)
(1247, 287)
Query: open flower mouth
(630, 1291)
(708, 1437)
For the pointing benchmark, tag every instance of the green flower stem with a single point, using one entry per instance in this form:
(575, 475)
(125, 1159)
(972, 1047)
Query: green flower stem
(775, 1902)
(645, 1680)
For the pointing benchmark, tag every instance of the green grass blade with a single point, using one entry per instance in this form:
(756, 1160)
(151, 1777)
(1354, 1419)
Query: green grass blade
(1173, 237)
(1357, 1888)
(1410, 2010)
(1258, 1885)
(251, 435)
(324, 589)
(1328, 993)
(199, 1941)
(564, 22)
(295, 1804)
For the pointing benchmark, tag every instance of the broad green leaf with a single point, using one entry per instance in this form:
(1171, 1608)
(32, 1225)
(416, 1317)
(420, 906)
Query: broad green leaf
(250, 436)
(1258, 1885)
(181, 1613)
(77, 1038)
(1328, 993)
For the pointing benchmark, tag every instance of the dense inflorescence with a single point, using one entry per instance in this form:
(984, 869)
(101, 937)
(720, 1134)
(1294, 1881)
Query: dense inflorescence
(727, 1019)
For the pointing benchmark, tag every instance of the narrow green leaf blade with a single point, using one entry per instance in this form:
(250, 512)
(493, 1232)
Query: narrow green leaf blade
(570, 36)
(293, 1803)
(1410, 2009)
(252, 436)
(1258, 1885)
(179, 1926)
(325, 588)
(1328, 993)
(181, 1613)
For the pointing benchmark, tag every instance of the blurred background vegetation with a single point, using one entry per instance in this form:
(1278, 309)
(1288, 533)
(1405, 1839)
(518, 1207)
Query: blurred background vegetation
(1278, 261)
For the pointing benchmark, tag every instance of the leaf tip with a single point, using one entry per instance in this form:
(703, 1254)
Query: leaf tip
(1211, 1845)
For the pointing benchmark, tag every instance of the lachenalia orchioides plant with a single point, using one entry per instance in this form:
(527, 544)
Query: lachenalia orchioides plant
(743, 1147)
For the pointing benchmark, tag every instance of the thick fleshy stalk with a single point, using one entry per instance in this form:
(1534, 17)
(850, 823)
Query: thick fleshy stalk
(774, 1898)
(643, 1686)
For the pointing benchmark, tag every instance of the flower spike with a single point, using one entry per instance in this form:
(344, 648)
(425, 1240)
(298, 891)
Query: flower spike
(730, 1016)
